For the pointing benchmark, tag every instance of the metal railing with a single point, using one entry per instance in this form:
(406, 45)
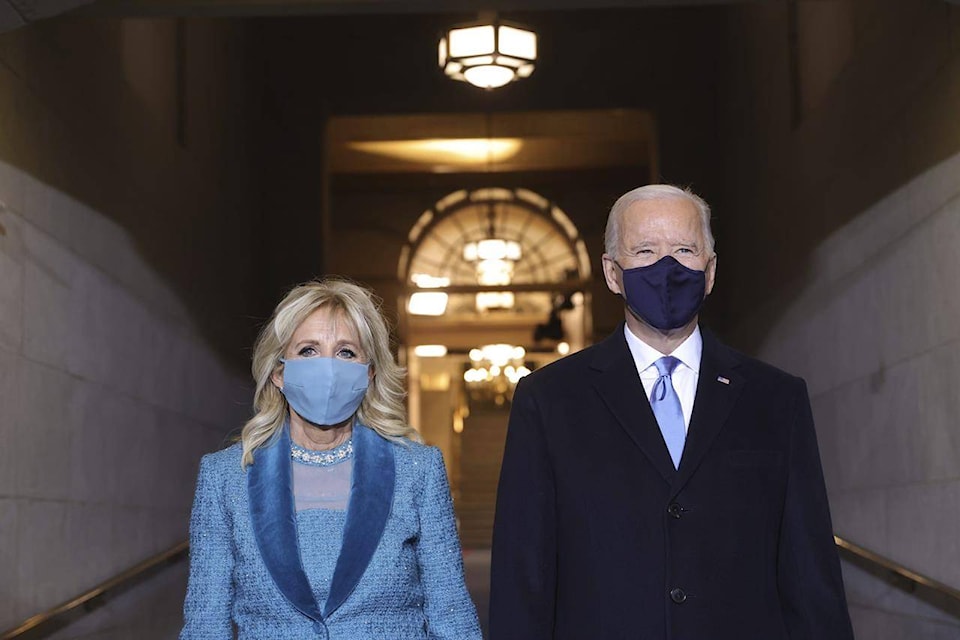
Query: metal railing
(936, 593)
(43, 624)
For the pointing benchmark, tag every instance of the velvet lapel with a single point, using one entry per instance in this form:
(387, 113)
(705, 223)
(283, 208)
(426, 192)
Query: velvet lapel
(621, 390)
(715, 398)
(270, 489)
(371, 497)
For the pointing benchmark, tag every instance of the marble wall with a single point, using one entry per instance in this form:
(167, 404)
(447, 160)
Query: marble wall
(111, 386)
(843, 220)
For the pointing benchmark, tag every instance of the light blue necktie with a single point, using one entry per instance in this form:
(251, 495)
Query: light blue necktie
(666, 407)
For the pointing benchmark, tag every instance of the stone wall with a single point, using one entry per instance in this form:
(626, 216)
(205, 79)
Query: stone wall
(842, 175)
(125, 237)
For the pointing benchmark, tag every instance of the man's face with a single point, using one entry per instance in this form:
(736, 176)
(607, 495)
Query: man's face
(652, 229)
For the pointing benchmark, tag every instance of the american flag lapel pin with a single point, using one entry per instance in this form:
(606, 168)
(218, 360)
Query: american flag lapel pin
(723, 380)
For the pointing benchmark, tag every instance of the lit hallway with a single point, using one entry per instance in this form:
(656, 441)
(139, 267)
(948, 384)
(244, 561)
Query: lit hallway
(169, 169)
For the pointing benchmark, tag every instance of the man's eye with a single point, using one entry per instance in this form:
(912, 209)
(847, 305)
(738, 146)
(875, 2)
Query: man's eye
(306, 352)
(684, 250)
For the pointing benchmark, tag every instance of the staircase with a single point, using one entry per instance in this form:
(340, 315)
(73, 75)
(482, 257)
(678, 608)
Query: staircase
(481, 451)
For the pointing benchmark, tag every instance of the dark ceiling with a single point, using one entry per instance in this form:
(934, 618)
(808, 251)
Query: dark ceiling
(17, 13)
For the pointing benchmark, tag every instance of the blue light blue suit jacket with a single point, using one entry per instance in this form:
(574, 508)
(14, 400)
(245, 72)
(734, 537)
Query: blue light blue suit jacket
(388, 568)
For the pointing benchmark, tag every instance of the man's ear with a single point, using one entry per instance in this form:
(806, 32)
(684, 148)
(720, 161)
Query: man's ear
(711, 274)
(611, 274)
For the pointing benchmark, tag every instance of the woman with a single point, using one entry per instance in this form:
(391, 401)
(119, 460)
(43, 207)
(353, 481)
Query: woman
(327, 519)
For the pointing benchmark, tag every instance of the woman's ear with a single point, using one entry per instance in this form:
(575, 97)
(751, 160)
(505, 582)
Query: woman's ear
(371, 373)
(277, 377)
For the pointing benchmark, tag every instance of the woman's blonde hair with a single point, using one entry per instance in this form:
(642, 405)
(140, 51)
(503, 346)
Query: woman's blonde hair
(382, 408)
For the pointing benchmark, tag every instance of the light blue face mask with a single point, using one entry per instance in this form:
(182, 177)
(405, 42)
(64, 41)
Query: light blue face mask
(325, 390)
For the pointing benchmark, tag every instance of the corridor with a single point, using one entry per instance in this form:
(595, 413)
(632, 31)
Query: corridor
(169, 170)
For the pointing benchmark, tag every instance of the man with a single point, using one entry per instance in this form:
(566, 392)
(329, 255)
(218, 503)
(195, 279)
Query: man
(651, 497)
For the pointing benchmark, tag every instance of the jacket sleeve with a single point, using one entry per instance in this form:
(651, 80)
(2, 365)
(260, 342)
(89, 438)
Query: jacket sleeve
(523, 580)
(808, 572)
(450, 613)
(207, 608)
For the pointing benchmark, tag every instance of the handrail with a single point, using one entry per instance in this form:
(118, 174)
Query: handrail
(89, 599)
(937, 593)
(932, 591)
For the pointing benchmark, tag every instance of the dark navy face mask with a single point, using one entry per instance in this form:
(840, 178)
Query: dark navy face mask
(666, 295)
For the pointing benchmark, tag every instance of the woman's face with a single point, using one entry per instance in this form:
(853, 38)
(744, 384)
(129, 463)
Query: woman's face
(324, 334)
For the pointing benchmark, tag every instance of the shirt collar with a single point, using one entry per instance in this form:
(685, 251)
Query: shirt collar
(688, 353)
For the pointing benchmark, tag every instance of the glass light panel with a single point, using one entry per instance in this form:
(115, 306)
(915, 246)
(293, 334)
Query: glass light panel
(533, 197)
(453, 67)
(494, 300)
(513, 251)
(430, 350)
(492, 249)
(508, 61)
(518, 42)
(525, 71)
(470, 251)
(471, 41)
(430, 282)
(494, 272)
(476, 60)
(442, 51)
(498, 354)
(493, 193)
(564, 222)
(488, 76)
(427, 303)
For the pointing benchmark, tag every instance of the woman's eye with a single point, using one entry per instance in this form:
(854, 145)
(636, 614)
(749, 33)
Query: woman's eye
(347, 354)
(306, 352)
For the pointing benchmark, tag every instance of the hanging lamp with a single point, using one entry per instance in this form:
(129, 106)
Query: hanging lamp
(488, 54)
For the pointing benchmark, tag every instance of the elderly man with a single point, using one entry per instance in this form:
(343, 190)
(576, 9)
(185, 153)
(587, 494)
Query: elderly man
(659, 485)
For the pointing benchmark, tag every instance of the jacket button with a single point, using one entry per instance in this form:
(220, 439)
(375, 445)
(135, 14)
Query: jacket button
(678, 595)
(675, 510)
(321, 630)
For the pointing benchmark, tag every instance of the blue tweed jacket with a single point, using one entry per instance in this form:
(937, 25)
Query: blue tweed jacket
(389, 568)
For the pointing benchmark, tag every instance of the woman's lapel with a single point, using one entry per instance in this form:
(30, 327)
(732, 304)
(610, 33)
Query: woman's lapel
(272, 511)
(371, 498)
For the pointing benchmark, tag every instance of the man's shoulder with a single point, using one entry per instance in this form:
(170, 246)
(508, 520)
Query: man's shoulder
(752, 369)
(565, 369)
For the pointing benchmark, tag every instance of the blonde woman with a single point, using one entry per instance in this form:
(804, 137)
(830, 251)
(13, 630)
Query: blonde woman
(328, 519)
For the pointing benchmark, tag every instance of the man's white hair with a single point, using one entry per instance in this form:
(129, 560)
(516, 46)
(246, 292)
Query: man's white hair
(653, 192)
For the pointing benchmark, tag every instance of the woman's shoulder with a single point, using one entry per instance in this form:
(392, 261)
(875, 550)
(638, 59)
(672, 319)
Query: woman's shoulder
(413, 452)
(223, 460)
(419, 462)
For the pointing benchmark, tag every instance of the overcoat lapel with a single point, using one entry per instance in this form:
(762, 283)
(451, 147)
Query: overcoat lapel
(274, 518)
(620, 389)
(371, 498)
(718, 388)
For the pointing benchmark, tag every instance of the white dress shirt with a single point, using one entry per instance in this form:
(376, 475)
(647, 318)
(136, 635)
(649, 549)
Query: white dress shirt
(685, 375)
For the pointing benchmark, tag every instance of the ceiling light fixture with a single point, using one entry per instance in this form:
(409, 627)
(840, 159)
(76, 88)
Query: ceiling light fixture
(488, 54)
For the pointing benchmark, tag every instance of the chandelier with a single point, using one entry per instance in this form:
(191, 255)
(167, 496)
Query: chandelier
(488, 54)
(495, 371)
